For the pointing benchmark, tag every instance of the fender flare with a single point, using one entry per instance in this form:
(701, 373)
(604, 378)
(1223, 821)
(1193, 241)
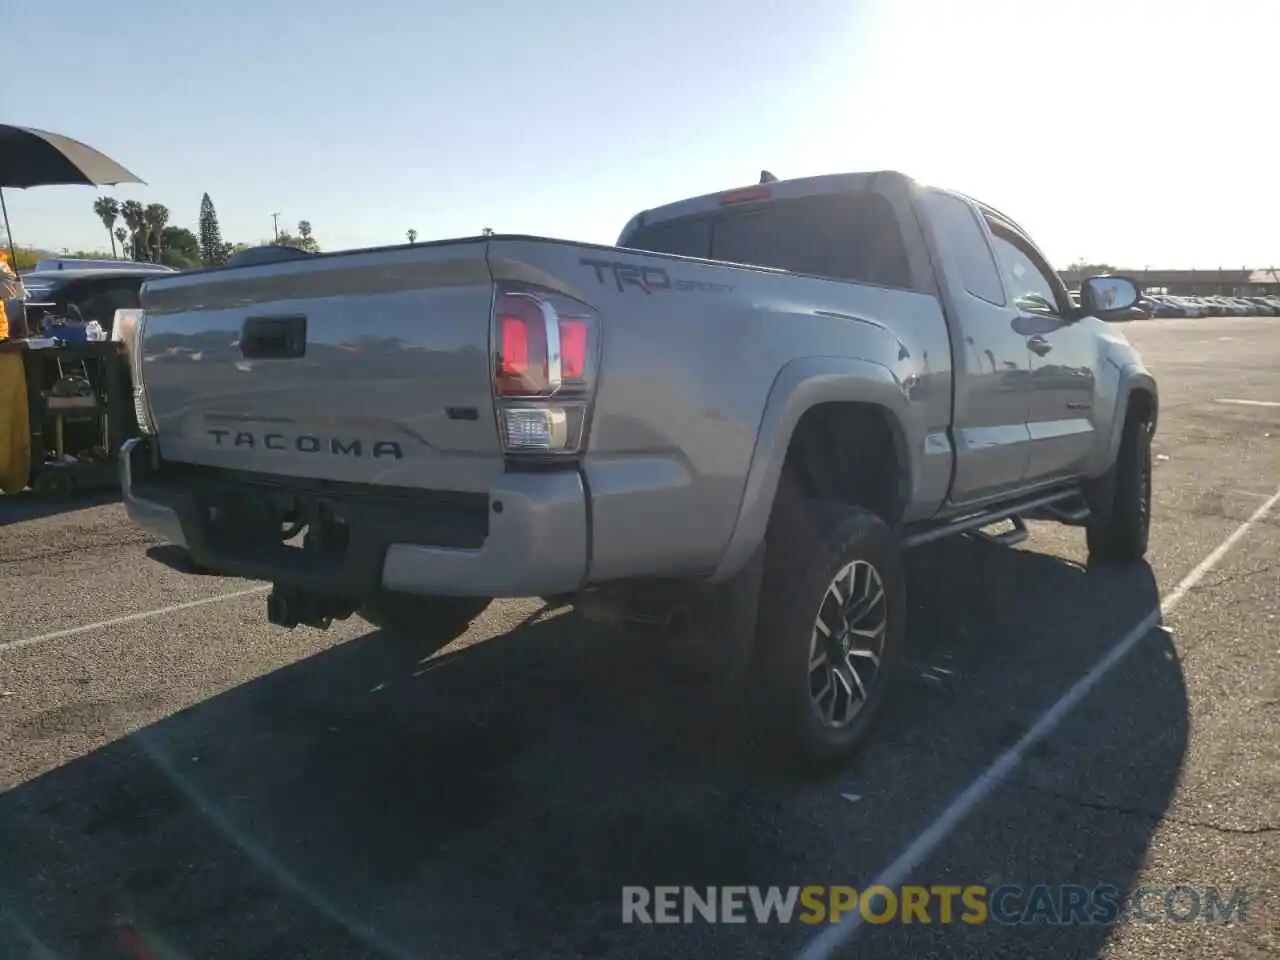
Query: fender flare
(1132, 377)
(800, 385)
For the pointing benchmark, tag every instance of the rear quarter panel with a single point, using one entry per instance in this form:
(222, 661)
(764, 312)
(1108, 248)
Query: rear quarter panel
(705, 369)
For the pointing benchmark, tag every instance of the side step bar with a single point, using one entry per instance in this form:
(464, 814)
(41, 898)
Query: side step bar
(1072, 514)
(1011, 512)
(1007, 538)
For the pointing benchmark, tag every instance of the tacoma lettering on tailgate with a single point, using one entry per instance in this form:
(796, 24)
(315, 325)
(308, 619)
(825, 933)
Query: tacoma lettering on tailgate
(305, 443)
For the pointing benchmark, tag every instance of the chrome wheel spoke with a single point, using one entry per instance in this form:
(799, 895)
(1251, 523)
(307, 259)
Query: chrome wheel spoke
(852, 680)
(845, 687)
(826, 697)
(865, 607)
(861, 653)
(847, 643)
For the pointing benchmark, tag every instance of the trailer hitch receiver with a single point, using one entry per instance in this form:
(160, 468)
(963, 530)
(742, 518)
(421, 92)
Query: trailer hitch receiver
(290, 607)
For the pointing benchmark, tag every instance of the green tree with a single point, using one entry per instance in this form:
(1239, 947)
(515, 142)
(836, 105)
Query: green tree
(180, 248)
(303, 240)
(131, 213)
(108, 209)
(308, 242)
(412, 235)
(122, 235)
(156, 217)
(213, 252)
(26, 257)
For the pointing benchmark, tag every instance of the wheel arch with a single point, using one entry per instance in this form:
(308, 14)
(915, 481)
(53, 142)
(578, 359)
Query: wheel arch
(808, 394)
(1137, 391)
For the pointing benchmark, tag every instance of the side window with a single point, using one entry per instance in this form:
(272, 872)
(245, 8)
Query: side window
(1025, 279)
(962, 233)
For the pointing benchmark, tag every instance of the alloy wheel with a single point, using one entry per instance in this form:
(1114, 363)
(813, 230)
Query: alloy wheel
(847, 645)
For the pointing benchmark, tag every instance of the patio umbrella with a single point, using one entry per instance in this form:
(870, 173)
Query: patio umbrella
(37, 158)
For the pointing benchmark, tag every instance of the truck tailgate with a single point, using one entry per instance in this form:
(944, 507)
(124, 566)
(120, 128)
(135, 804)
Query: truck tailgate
(368, 367)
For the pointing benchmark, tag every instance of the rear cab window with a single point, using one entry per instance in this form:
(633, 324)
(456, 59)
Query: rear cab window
(847, 236)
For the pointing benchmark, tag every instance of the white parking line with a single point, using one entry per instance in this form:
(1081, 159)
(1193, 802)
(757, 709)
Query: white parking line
(6, 646)
(840, 934)
(1248, 403)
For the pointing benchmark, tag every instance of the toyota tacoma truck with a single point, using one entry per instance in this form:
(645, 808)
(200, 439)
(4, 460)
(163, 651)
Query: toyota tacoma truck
(728, 426)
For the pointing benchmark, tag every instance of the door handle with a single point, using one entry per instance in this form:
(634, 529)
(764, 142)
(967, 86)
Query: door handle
(273, 338)
(1039, 346)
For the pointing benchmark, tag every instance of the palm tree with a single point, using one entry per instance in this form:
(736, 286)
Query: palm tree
(131, 213)
(156, 215)
(412, 235)
(121, 234)
(107, 209)
(305, 240)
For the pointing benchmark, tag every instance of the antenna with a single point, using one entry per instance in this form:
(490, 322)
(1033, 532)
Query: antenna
(767, 177)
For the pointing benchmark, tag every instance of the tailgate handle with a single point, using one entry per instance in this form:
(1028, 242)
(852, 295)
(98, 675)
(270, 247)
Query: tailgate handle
(273, 338)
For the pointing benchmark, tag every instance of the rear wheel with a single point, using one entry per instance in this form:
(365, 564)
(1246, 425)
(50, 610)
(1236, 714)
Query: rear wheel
(431, 622)
(831, 629)
(1119, 533)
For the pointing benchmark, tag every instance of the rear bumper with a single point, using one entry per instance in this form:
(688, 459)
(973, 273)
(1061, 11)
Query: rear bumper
(528, 537)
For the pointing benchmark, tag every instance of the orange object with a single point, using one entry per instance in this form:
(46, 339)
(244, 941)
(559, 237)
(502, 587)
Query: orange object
(11, 297)
(15, 423)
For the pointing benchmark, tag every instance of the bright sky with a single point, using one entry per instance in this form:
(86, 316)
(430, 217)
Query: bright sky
(1124, 131)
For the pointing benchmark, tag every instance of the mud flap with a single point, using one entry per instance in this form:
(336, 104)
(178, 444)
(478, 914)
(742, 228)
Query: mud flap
(727, 621)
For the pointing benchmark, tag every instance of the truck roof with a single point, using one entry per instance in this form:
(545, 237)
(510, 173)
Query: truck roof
(772, 190)
(820, 185)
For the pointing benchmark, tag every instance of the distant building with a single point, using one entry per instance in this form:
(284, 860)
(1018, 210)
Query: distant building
(1228, 283)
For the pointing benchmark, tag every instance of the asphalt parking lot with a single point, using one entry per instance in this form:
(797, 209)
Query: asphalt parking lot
(182, 780)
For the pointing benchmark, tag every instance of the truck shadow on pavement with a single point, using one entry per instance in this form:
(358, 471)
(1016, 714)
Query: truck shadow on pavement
(25, 506)
(492, 801)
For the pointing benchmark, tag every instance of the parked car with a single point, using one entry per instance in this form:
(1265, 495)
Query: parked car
(87, 293)
(1190, 306)
(1165, 306)
(727, 426)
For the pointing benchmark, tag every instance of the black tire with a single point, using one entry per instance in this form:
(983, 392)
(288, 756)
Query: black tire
(429, 622)
(808, 543)
(1119, 533)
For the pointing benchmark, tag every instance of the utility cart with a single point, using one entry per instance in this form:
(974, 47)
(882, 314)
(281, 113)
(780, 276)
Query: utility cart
(65, 409)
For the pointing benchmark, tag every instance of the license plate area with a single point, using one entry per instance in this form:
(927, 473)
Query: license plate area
(284, 527)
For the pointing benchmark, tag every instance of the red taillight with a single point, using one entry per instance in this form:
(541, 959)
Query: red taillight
(515, 346)
(524, 362)
(522, 350)
(545, 347)
(573, 349)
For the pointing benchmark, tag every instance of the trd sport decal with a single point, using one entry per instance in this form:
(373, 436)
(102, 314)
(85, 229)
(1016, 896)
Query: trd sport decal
(648, 279)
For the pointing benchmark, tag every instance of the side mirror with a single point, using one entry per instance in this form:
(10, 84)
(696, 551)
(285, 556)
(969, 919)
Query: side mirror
(1101, 295)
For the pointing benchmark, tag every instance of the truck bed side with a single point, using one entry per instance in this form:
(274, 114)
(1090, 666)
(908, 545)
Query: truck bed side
(707, 368)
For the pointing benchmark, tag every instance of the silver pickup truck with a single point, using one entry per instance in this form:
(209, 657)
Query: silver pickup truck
(728, 426)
